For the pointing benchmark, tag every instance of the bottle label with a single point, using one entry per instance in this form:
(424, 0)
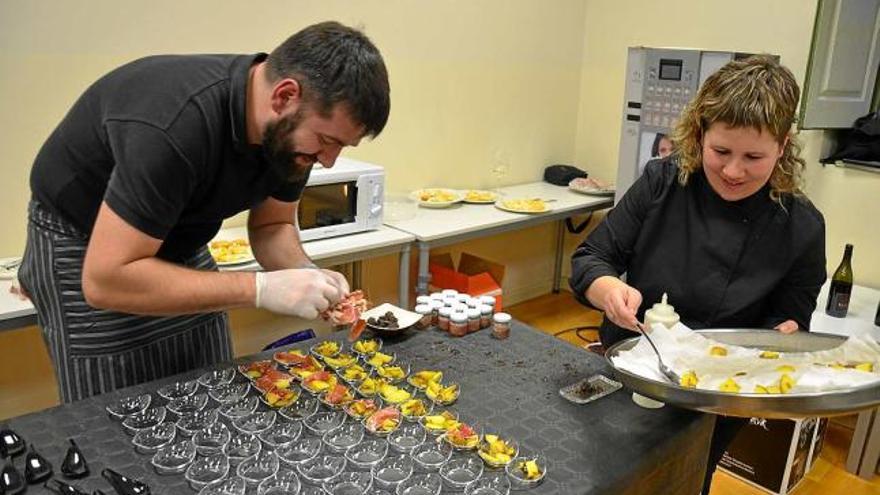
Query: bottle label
(840, 301)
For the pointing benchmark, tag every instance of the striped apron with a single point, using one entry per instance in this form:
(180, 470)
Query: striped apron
(95, 351)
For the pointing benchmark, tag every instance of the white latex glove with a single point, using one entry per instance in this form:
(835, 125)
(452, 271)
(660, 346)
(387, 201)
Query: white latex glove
(303, 292)
(339, 280)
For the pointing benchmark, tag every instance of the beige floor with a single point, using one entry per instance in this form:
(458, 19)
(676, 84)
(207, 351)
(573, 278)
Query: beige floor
(554, 314)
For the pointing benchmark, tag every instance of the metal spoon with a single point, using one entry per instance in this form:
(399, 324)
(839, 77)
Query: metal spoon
(666, 370)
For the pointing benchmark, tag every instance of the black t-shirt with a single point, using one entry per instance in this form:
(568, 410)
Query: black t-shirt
(749, 263)
(163, 141)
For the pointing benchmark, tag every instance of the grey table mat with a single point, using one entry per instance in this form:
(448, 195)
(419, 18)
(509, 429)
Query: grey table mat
(509, 386)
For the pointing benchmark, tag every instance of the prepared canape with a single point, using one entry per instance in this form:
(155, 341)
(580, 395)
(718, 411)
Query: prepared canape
(393, 373)
(439, 423)
(528, 469)
(256, 369)
(337, 395)
(361, 408)
(319, 381)
(367, 347)
(305, 367)
(273, 379)
(421, 379)
(340, 360)
(289, 358)
(462, 436)
(370, 386)
(393, 394)
(327, 348)
(441, 394)
(354, 373)
(380, 359)
(495, 451)
(414, 409)
(383, 421)
(280, 397)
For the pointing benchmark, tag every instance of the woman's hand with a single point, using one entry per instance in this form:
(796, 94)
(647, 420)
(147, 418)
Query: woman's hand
(787, 326)
(619, 300)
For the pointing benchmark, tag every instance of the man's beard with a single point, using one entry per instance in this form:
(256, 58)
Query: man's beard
(280, 157)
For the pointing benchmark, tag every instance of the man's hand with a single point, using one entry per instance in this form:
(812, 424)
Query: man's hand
(302, 292)
(619, 300)
(787, 326)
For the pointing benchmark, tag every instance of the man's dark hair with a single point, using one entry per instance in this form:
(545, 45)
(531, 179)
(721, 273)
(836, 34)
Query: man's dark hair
(334, 64)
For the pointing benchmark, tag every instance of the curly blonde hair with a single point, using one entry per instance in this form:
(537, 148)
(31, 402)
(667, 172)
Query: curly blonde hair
(756, 92)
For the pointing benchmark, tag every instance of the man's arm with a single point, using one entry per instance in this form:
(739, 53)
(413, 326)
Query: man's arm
(274, 235)
(121, 273)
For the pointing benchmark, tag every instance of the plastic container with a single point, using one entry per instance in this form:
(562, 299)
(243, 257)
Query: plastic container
(458, 324)
(443, 315)
(473, 320)
(427, 316)
(501, 325)
(661, 312)
(486, 312)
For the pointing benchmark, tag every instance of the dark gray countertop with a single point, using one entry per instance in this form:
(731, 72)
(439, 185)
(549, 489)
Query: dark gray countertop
(610, 446)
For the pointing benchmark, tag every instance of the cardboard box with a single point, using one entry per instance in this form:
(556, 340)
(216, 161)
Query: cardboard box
(775, 455)
(474, 275)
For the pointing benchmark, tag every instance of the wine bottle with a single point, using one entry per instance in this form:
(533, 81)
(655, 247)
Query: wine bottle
(877, 316)
(841, 286)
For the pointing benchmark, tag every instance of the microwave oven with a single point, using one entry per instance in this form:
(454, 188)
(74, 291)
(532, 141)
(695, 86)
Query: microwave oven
(344, 199)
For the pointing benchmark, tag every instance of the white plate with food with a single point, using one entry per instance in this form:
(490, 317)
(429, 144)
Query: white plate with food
(591, 187)
(523, 205)
(437, 197)
(231, 252)
(480, 197)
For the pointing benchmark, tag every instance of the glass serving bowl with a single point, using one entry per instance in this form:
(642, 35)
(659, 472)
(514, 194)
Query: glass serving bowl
(434, 426)
(255, 369)
(391, 471)
(147, 418)
(227, 486)
(366, 347)
(459, 438)
(174, 458)
(438, 397)
(304, 407)
(421, 484)
(206, 470)
(359, 409)
(517, 470)
(494, 484)
(126, 406)
(379, 359)
(367, 453)
(430, 456)
(323, 421)
(375, 423)
(343, 437)
(240, 408)
(256, 469)
(240, 447)
(394, 372)
(150, 440)
(216, 378)
(407, 437)
(340, 360)
(191, 423)
(188, 405)
(212, 438)
(284, 482)
(397, 393)
(349, 483)
(337, 402)
(280, 398)
(460, 471)
(321, 468)
(299, 451)
(353, 375)
(281, 434)
(255, 423)
(177, 390)
(326, 348)
(230, 393)
(416, 408)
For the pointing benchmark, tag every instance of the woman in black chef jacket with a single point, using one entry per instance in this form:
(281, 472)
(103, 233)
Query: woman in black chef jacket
(721, 225)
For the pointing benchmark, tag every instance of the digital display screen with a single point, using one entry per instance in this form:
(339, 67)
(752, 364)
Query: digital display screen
(670, 70)
(329, 204)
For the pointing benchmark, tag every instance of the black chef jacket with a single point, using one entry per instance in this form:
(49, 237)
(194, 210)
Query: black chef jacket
(751, 263)
(163, 141)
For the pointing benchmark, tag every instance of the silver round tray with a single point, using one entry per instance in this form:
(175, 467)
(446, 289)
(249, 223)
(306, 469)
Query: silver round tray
(832, 403)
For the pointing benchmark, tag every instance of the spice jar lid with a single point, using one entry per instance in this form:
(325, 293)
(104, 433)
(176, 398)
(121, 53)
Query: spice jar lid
(487, 300)
(458, 317)
(423, 309)
(486, 309)
(502, 318)
(436, 305)
(473, 313)
(445, 311)
(449, 292)
(423, 300)
(438, 296)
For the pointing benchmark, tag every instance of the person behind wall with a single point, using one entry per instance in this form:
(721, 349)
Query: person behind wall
(662, 146)
(138, 177)
(722, 224)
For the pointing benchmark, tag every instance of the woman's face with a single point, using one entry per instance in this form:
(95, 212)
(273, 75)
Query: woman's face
(738, 161)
